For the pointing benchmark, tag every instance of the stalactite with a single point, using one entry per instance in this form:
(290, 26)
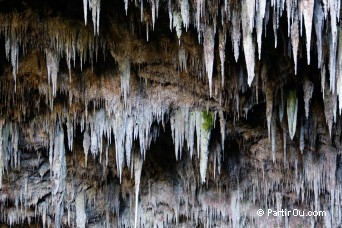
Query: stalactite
(339, 72)
(248, 45)
(323, 72)
(52, 65)
(295, 42)
(319, 22)
(125, 71)
(236, 34)
(14, 60)
(222, 53)
(235, 208)
(208, 45)
(138, 162)
(332, 64)
(182, 56)
(81, 216)
(199, 12)
(94, 6)
(259, 23)
(301, 139)
(177, 23)
(292, 109)
(58, 177)
(70, 132)
(85, 11)
(307, 12)
(204, 124)
(153, 10)
(86, 146)
(178, 126)
(184, 5)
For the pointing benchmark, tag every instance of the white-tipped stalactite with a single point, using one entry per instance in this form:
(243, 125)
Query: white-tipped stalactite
(292, 110)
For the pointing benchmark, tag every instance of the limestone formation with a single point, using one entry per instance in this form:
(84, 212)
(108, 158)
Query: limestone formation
(170, 113)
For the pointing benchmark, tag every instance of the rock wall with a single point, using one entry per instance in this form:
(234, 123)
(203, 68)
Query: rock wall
(159, 113)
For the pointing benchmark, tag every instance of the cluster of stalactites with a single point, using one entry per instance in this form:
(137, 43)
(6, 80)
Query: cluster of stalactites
(123, 124)
(185, 125)
(250, 15)
(129, 126)
(94, 6)
(244, 20)
(244, 17)
(62, 40)
(9, 146)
